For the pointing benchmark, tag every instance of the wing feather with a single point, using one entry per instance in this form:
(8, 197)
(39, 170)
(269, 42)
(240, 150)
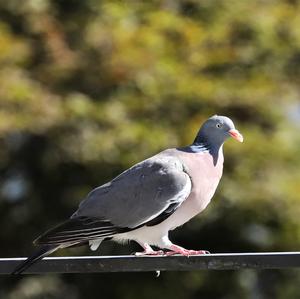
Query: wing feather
(78, 230)
(140, 194)
(146, 194)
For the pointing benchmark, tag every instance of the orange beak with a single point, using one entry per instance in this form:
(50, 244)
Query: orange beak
(236, 135)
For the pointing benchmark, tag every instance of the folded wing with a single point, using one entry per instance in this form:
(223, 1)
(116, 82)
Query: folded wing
(145, 194)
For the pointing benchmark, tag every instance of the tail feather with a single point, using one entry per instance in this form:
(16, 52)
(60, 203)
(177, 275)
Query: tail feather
(39, 254)
(78, 230)
(73, 232)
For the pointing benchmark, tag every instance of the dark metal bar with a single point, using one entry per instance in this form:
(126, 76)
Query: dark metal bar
(93, 264)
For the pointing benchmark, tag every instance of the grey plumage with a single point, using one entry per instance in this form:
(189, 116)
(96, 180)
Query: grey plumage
(139, 194)
(149, 199)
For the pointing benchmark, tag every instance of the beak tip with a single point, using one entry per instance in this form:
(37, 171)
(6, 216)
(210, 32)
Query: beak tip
(236, 135)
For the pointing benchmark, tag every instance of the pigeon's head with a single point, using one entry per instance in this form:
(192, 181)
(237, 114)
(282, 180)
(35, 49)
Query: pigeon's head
(216, 130)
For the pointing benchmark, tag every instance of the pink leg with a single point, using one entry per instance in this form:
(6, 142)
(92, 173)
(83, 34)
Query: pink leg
(148, 251)
(175, 249)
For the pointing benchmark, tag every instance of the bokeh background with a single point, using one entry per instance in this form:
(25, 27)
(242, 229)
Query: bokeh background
(88, 88)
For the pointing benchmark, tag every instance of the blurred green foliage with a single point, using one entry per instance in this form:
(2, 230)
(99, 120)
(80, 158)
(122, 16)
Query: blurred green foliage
(88, 88)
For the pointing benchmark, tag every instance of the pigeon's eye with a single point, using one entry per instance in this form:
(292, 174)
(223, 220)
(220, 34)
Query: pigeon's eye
(218, 125)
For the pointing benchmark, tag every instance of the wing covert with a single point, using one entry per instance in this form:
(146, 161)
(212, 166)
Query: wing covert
(140, 194)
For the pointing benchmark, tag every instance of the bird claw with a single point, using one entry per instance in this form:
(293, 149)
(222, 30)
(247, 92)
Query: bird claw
(174, 249)
(186, 252)
(149, 252)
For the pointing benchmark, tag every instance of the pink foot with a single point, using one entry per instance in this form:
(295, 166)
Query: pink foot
(180, 250)
(148, 251)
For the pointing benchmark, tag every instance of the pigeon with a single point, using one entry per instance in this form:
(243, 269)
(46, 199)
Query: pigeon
(148, 200)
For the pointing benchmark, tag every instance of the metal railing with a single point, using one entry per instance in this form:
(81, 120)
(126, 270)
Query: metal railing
(101, 264)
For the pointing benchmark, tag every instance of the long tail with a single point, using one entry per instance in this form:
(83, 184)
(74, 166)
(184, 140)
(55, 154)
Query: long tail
(39, 254)
(73, 232)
